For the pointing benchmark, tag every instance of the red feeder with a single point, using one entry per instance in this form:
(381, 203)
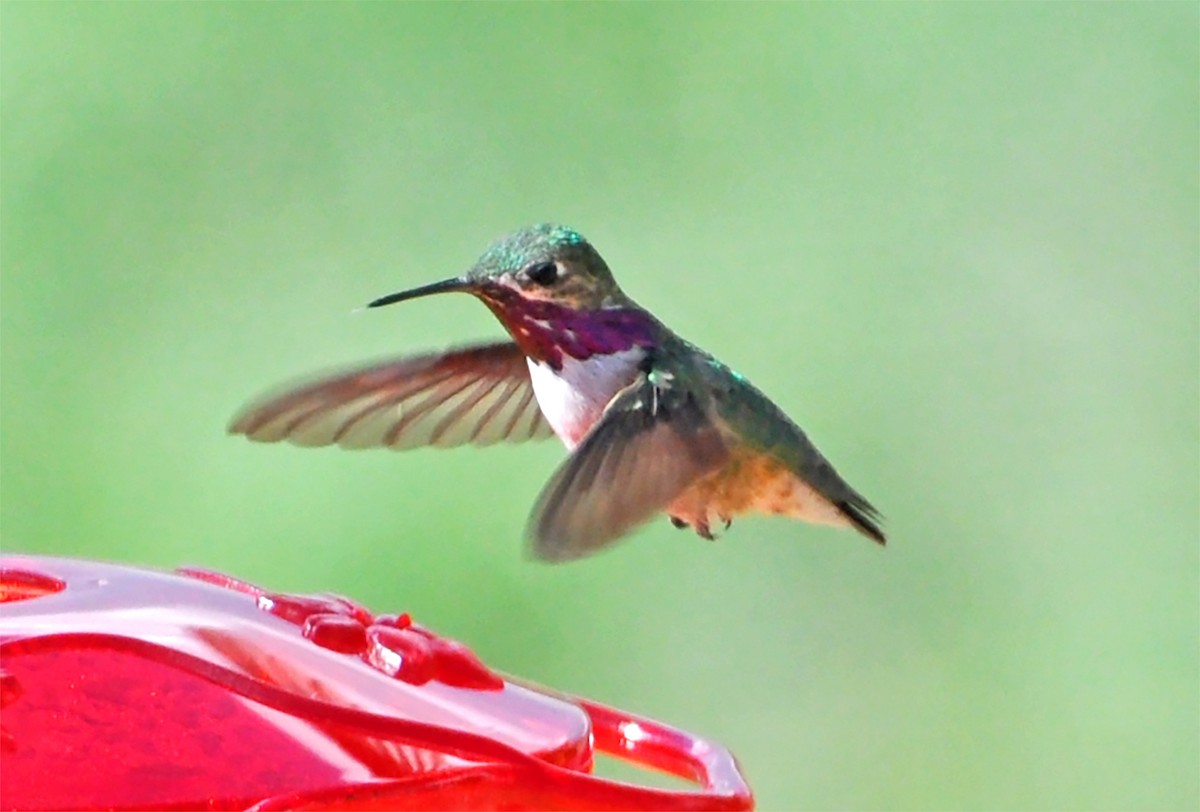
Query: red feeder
(125, 688)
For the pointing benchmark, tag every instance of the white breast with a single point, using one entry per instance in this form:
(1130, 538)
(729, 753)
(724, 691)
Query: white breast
(574, 397)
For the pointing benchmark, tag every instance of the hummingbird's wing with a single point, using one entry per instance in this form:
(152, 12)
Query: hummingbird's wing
(479, 395)
(652, 442)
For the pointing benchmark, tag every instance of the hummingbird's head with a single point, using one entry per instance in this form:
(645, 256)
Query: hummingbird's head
(541, 263)
(546, 263)
(553, 292)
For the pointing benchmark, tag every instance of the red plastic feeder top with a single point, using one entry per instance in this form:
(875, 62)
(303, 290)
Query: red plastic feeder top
(125, 688)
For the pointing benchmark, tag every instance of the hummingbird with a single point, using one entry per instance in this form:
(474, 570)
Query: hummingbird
(653, 423)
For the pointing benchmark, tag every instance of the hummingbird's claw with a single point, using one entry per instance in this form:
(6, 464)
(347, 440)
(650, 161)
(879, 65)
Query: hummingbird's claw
(701, 527)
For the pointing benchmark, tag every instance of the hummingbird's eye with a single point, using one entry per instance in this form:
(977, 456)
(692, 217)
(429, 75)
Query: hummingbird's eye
(543, 273)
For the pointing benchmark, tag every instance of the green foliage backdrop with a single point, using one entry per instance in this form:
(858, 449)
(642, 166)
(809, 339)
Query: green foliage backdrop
(957, 242)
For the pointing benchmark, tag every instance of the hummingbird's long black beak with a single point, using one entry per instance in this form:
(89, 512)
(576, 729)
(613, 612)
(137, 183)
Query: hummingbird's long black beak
(458, 283)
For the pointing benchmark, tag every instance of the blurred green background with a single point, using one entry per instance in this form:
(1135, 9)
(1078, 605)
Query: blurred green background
(958, 243)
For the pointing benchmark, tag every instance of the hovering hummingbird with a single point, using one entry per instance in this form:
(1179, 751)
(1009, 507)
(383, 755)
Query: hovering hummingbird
(652, 422)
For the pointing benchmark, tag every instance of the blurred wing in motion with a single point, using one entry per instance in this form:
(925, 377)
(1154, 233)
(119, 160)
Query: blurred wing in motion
(650, 445)
(478, 395)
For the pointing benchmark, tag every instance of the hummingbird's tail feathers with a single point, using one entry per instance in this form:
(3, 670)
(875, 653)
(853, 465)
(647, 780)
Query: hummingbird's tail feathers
(863, 515)
(824, 478)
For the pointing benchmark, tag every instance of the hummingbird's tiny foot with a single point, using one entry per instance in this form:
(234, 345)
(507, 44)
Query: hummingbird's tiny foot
(703, 531)
(728, 521)
(678, 523)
